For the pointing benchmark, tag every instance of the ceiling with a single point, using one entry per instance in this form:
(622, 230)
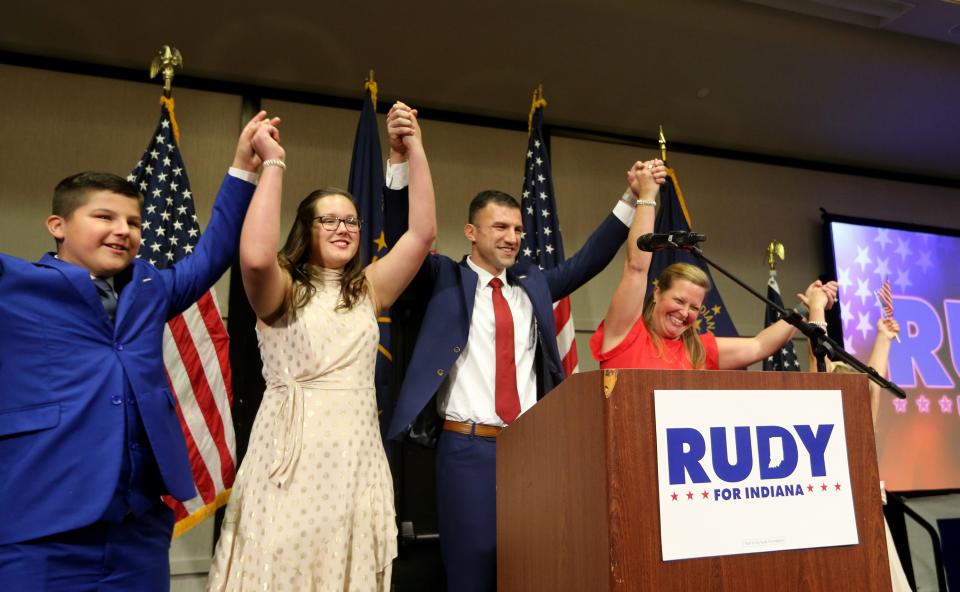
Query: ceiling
(801, 82)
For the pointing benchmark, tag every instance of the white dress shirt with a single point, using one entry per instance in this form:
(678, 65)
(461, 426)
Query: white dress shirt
(469, 392)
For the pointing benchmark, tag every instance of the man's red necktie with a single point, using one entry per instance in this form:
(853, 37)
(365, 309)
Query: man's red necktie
(507, 397)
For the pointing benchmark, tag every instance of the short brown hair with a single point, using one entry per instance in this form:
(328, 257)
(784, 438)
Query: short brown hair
(483, 198)
(72, 192)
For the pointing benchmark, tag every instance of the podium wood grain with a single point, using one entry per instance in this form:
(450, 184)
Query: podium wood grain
(577, 505)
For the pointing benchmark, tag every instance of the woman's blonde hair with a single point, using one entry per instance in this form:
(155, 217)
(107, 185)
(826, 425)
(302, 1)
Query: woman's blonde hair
(691, 338)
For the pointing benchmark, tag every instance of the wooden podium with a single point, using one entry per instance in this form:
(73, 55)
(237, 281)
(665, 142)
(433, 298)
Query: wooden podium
(577, 502)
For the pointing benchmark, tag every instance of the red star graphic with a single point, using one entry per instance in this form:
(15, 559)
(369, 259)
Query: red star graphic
(809, 487)
(823, 487)
(705, 495)
(673, 496)
(837, 486)
(689, 495)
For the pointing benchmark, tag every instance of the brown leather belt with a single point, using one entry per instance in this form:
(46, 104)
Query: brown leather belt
(472, 429)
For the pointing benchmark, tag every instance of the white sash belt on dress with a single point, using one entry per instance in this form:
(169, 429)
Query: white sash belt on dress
(288, 427)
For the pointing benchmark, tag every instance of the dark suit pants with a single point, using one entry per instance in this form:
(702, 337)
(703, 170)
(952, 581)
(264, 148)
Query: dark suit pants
(467, 511)
(104, 557)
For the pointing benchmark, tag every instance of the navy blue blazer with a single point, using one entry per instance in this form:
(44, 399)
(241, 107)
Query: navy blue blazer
(64, 369)
(450, 289)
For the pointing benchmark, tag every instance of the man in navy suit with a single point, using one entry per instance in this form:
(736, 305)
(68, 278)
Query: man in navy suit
(460, 357)
(89, 435)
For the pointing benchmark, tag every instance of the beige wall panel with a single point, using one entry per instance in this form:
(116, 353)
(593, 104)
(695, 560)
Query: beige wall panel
(465, 160)
(56, 124)
(589, 178)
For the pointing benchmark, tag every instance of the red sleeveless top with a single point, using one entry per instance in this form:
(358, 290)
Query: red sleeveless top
(637, 350)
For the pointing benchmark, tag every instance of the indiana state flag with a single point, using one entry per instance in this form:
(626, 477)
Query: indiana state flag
(366, 186)
(673, 215)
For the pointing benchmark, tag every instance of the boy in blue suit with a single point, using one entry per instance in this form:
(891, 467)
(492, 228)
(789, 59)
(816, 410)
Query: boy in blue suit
(486, 352)
(89, 435)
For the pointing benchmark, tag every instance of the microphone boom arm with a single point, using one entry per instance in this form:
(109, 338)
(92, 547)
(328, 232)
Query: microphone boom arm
(823, 345)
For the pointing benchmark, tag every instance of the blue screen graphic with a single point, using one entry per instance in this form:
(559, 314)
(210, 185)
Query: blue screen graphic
(918, 438)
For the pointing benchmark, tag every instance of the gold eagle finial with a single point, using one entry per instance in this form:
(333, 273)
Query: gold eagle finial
(775, 250)
(167, 61)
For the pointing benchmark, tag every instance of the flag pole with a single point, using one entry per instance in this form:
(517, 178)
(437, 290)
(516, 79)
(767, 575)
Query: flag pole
(167, 61)
(663, 146)
(775, 250)
(371, 85)
(213, 443)
(538, 101)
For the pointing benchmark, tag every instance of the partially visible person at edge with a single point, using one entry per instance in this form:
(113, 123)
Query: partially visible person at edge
(660, 331)
(887, 331)
(312, 507)
(89, 435)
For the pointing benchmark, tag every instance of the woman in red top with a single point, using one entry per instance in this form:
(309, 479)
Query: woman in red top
(661, 333)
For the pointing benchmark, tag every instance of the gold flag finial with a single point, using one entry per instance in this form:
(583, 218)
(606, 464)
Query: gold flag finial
(775, 250)
(538, 101)
(371, 85)
(167, 61)
(663, 146)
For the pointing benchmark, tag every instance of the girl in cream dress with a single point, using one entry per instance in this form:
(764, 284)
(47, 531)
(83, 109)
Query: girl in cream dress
(312, 507)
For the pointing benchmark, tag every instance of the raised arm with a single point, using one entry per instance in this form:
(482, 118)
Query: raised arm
(816, 305)
(887, 330)
(401, 122)
(391, 274)
(217, 248)
(740, 352)
(643, 182)
(264, 281)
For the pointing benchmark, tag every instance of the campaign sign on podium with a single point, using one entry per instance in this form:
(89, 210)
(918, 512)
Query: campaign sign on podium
(752, 471)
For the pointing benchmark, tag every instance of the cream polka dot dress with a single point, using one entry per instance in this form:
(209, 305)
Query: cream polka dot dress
(312, 505)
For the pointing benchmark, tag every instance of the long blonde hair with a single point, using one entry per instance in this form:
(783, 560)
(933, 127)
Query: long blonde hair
(691, 338)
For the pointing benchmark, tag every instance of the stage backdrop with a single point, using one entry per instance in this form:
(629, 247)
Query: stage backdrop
(917, 437)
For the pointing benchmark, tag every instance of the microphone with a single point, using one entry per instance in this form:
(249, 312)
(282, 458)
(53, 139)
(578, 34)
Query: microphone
(675, 239)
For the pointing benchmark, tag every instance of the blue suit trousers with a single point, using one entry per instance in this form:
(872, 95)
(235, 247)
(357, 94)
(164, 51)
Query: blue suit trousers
(467, 511)
(132, 554)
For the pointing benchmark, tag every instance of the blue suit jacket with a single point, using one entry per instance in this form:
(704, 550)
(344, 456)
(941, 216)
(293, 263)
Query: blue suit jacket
(64, 369)
(450, 290)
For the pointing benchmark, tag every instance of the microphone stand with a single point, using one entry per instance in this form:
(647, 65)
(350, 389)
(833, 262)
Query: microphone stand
(823, 345)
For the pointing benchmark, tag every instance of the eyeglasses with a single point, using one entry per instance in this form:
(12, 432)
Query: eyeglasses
(330, 222)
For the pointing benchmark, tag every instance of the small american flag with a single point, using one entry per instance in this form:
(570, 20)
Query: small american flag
(196, 345)
(885, 297)
(541, 242)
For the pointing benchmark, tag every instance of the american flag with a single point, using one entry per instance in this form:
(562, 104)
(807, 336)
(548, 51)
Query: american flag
(784, 360)
(885, 297)
(541, 242)
(196, 345)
